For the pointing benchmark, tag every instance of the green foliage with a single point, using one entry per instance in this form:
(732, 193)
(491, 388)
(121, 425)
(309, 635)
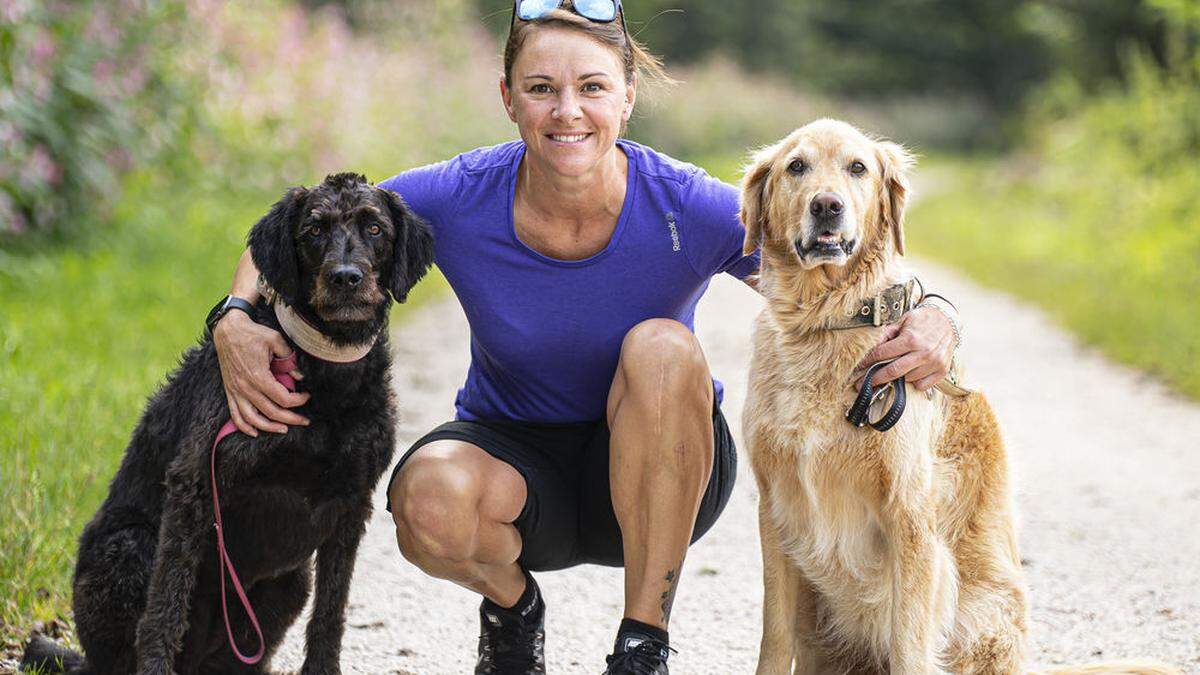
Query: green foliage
(1098, 221)
(88, 89)
(294, 95)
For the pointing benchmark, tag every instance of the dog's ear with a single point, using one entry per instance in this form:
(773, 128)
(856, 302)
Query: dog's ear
(272, 244)
(754, 185)
(414, 246)
(894, 163)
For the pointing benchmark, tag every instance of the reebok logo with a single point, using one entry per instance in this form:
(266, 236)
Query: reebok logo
(674, 231)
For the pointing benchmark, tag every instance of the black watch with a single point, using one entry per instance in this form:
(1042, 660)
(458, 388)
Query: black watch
(229, 302)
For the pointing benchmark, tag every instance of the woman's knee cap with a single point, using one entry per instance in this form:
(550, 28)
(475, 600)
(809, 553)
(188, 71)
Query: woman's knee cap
(655, 343)
(435, 507)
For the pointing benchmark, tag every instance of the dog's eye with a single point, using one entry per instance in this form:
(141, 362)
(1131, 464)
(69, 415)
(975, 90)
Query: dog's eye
(858, 168)
(374, 230)
(797, 166)
(314, 231)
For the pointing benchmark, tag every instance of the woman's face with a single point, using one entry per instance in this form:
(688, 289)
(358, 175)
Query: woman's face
(569, 99)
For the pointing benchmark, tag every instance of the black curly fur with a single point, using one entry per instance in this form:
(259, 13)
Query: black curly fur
(146, 590)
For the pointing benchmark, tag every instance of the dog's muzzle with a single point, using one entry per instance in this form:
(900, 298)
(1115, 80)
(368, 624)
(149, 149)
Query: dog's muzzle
(824, 231)
(827, 243)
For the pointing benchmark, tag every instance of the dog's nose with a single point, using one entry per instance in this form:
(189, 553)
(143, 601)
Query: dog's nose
(346, 276)
(826, 205)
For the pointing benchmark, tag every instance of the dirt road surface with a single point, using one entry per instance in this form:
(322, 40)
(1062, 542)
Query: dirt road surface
(1107, 473)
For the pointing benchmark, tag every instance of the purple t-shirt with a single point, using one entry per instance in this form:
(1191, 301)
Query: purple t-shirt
(546, 333)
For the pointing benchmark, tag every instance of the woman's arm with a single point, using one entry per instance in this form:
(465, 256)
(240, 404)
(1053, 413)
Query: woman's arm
(244, 349)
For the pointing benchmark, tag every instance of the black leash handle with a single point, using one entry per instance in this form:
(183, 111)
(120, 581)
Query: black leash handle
(857, 414)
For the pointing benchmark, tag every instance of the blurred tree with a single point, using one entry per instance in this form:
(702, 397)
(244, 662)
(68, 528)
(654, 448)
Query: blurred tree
(993, 51)
(1091, 40)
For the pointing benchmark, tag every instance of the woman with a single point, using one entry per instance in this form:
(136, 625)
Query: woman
(589, 428)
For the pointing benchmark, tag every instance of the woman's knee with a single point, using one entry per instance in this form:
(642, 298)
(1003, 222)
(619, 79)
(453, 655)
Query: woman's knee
(663, 356)
(435, 505)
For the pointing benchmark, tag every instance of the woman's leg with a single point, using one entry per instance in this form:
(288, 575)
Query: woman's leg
(661, 454)
(453, 505)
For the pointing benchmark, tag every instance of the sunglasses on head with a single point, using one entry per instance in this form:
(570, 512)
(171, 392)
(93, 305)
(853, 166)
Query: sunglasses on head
(600, 11)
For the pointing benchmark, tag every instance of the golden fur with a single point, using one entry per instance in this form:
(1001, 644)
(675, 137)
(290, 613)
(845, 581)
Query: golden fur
(881, 551)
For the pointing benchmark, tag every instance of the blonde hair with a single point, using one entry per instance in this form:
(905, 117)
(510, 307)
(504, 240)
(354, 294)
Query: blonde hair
(635, 58)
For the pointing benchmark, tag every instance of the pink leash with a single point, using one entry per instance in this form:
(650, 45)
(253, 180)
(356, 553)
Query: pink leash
(280, 368)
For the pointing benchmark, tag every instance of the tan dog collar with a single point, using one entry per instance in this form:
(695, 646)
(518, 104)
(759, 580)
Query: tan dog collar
(882, 309)
(305, 335)
(314, 342)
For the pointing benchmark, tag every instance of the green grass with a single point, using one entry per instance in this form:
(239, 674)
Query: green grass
(86, 334)
(1111, 253)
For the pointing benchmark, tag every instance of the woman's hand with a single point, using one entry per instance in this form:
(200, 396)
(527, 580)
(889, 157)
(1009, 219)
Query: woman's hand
(256, 399)
(922, 342)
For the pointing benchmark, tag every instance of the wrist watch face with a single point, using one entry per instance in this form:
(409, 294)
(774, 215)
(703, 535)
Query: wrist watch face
(216, 313)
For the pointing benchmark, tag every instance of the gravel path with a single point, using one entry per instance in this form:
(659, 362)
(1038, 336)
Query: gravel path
(1108, 489)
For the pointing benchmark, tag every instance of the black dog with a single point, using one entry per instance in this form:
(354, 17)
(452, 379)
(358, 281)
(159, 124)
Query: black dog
(147, 595)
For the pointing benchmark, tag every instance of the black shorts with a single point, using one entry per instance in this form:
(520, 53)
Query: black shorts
(568, 516)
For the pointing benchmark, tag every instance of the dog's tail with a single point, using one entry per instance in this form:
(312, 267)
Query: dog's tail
(1139, 667)
(45, 657)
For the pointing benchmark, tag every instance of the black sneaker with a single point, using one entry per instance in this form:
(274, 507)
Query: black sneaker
(638, 655)
(512, 642)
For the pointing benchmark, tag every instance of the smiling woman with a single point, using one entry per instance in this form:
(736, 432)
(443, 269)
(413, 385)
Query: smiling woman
(589, 429)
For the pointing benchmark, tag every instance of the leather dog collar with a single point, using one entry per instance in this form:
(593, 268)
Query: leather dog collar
(305, 335)
(882, 309)
(314, 342)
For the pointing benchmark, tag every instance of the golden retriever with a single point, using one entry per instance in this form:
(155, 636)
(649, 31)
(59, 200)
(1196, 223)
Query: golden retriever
(881, 551)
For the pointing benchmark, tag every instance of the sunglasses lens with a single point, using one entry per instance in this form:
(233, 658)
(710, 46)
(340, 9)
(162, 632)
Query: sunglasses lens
(527, 10)
(597, 10)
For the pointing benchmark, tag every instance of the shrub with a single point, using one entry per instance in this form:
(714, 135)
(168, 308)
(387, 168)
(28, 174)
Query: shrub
(87, 89)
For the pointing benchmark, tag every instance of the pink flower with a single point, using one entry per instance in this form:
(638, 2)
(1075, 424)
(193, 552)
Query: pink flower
(11, 218)
(9, 136)
(134, 79)
(102, 73)
(42, 167)
(11, 11)
(18, 224)
(101, 29)
(43, 49)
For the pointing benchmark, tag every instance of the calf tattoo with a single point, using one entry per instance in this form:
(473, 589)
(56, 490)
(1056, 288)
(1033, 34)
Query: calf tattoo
(668, 596)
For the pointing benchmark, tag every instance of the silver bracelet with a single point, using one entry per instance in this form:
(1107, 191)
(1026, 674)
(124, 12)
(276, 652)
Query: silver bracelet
(946, 313)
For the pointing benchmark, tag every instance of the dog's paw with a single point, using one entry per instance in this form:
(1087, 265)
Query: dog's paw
(321, 671)
(328, 669)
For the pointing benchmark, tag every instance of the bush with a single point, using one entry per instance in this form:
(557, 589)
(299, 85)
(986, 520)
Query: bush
(293, 95)
(87, 90)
